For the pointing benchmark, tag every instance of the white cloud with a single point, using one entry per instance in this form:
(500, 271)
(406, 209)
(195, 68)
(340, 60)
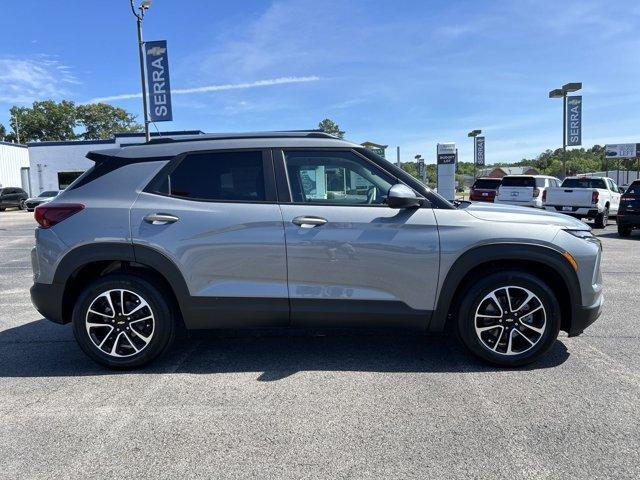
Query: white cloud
(216, 88)
(23, 80)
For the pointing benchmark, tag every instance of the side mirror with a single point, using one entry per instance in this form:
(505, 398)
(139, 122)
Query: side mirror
(401, 196)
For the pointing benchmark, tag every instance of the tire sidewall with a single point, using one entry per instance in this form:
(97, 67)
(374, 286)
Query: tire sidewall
(477, 292)
(164, 328)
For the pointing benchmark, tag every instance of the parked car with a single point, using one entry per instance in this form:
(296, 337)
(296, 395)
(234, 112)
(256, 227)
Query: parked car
(525, 190)
(484, 189)
(629, 212)
(12, 197)
(299, 229)
(44, 197)
(594, 198)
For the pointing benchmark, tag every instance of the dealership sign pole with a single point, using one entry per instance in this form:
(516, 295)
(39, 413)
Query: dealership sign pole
(446, 155)
(158, 81)
(144, 6)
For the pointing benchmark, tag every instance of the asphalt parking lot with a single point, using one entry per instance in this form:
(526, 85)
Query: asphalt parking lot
(338, 406)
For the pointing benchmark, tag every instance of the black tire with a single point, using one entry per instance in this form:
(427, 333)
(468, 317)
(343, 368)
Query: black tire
(476, 295)
(22, 205)
(602, 219)
(624, 231)
(2, 209)
(162, 332)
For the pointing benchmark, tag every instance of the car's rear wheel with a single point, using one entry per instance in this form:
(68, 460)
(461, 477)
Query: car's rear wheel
(624, 231)
(123, 321)
(602, 219)
(509, 318)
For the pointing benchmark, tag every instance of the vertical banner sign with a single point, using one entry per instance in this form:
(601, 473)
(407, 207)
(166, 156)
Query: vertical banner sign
(480, 151)
(421, 169)
(158, 83)
(574, 120)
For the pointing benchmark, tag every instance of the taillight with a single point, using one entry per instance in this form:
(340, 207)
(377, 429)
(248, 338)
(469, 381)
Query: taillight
(544, 196)
(49, 215)
(595, 196)
(536, 192)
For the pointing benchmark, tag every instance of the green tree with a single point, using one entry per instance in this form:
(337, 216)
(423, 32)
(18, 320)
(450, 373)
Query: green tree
(44, 120)
(3, 132)
(329, 126)
(48, 120)
(101, 120)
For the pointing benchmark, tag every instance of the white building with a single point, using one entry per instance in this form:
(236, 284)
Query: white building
(14, 165)
(54, 165)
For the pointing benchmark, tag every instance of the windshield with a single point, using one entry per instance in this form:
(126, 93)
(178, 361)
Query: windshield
(49, 193)
(486, 183)
(518, 182)
(584, 182)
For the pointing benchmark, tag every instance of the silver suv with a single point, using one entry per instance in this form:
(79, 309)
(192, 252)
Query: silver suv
(299, 229)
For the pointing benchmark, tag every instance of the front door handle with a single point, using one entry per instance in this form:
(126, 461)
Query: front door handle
(160, 218)
(309, 222)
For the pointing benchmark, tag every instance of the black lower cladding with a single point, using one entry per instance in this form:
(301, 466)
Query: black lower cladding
(583, 317)
(215, 312)
(47, 298)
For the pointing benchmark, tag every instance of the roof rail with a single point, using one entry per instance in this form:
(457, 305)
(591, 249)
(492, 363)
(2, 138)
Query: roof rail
(235, 136)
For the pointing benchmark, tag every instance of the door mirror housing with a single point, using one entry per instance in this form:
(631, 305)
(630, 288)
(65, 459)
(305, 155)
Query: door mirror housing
(401, 196)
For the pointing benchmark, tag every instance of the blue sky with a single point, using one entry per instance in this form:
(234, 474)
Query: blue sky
(408, 73)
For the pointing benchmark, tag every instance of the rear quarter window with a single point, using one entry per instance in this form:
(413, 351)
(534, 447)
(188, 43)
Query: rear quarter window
(519, 182)
(487, 184)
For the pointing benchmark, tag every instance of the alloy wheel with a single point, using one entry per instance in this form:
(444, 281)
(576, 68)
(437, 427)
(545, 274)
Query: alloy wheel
(510, 320)
(120, 323)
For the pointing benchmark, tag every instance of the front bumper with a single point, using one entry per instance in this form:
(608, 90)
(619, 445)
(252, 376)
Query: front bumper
(585, 316)
(47, 298)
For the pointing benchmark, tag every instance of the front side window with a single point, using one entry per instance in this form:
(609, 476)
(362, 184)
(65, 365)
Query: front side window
(223, 176)
(335, 177)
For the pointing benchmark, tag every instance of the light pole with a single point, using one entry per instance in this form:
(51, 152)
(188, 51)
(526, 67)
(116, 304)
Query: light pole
(562, 93)
(144, 6)
(421, 168)
(474, 134)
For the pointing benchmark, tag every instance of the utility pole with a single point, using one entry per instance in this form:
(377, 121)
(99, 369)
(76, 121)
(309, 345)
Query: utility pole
(144, 6)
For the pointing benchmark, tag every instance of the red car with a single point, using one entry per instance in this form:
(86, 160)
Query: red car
(484, 189)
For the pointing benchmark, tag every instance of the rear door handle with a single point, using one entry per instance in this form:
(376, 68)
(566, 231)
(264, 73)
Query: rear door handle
(309, 222)
(160, 218)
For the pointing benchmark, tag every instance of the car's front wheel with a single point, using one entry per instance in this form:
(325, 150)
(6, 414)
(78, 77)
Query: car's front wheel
(123, 321)
(509, 318)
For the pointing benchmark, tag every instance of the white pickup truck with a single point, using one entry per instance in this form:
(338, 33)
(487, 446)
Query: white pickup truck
(585, 197)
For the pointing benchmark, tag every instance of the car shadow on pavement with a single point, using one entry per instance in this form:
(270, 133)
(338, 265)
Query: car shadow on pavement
(43, 349)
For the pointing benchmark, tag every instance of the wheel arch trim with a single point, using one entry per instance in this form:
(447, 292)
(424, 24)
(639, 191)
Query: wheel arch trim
(476, 256)
(125, 252)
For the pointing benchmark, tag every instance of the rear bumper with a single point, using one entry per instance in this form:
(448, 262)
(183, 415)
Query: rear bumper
(47, 298)
(629, 219)
(576, 212)
(585, 316)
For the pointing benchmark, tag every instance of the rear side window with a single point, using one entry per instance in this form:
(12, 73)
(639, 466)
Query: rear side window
(225, 176)
(486, 184)
(584, 182)
(519, 182)
(634, 189)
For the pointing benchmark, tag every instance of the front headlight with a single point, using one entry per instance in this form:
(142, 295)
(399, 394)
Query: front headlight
(586, 234)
